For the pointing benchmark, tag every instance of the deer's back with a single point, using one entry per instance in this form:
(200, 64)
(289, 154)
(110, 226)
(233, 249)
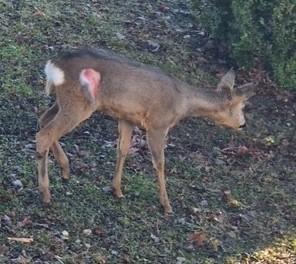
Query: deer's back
(129, 90)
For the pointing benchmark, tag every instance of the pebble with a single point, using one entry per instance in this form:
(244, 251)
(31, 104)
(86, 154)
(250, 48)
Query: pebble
(87, 232)
(114, 252)
(120, 36)
(65, 235)
(155, 238)
(107, 189)
(180, 260)
(154, 46)
(204, 203)
(17, 184)
(6, 220)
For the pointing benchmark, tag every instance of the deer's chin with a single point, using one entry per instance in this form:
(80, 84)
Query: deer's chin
(235, 128)
(225, 125)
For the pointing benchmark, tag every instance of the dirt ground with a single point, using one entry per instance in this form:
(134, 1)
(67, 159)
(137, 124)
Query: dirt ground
(233, 194)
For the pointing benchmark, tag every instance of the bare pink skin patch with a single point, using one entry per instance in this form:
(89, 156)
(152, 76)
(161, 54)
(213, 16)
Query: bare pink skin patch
(90, 79)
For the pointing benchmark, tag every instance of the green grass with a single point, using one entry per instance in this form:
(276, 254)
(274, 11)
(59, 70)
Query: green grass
(134, 229)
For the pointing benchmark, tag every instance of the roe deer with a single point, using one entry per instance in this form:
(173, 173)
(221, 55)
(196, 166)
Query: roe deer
(85, 81)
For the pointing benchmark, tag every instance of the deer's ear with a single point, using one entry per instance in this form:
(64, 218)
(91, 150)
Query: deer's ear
(90, 81)
(247, 90)
(226, 84)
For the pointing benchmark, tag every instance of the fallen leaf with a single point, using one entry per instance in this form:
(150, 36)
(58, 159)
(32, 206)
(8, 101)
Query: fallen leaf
(98, 231)
(25, 222)
(215, 244)
(199, 239)
(230, 200)
(100, 259)
(38, 13)
(269, 140)
(243, 151)
(22, 260)
(3, 250)
(125, 259)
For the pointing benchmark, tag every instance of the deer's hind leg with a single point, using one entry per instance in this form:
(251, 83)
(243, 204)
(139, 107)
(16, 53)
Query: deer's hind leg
(62, 123)
(56, 148)
(156, 142)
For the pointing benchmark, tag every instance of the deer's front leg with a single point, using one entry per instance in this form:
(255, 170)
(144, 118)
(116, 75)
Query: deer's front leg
(156, 141)
(125, 130)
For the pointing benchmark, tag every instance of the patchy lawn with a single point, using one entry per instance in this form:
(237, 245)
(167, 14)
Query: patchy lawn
(233, 194)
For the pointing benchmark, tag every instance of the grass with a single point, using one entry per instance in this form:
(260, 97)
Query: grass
(203, 162)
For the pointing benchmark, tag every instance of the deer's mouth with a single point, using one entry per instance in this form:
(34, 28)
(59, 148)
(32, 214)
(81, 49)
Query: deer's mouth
(242, 126)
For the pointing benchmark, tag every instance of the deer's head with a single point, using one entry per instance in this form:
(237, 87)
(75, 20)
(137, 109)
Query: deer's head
(231, 112)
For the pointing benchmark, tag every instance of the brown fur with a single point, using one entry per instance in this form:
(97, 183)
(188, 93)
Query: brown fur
(135, 94)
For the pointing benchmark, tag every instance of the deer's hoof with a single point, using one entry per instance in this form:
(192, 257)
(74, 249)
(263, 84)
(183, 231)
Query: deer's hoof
(46, 205)
(168, 211)
(118, 194)
(46, 198)
(65, 175)
(65, 180)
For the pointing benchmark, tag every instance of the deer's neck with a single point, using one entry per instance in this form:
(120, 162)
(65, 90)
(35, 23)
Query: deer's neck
(204, 103)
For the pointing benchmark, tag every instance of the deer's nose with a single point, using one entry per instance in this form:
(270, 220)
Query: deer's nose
(243, 125)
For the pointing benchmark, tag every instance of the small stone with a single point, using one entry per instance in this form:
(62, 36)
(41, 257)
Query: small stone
(142, 18)
(154, 46)
(30, 146)
(120, 36)
(107, 189)
(87, 232)
(17, 184)
(181, 221)
(114, 252)
(155, 238)
(180, 260)
(6, 220)
(195, 210)
(219, 162)
(65, 235)
(204, 203)
(232, 234)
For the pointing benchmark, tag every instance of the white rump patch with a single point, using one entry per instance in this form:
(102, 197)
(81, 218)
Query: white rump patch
(54, 75)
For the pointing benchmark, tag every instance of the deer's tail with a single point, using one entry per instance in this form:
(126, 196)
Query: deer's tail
(54, 76)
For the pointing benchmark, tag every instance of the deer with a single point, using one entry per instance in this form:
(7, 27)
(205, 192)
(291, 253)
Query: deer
(89, 80)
